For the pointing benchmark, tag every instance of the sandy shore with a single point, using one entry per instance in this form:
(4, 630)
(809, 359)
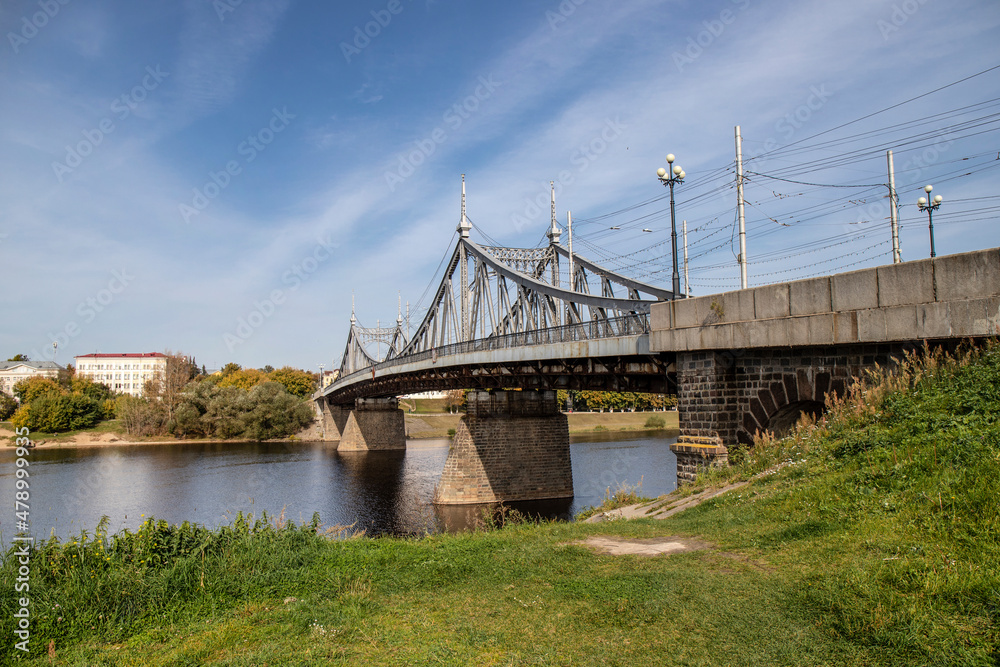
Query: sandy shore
(107, 440)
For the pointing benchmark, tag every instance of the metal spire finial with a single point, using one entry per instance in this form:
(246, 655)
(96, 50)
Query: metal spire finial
(399, 308)
(554, 231)
(354, 320)
(463, 226)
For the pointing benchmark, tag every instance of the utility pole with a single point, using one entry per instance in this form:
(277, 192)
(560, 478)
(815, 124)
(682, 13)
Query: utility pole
(463, 260)
(687, 287)
(893, 213)
(739, 209)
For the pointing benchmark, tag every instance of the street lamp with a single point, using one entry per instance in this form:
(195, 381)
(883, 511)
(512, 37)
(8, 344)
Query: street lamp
(669, 178)
(321, 376)
(930, 205)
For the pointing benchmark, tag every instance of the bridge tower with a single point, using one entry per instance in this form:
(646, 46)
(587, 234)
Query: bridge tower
(463, 259)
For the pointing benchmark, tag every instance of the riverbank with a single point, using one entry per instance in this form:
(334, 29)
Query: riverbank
(438, 425)
(417, 426)
(871, 538)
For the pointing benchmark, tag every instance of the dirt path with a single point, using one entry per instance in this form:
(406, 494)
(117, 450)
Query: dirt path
(661, 508)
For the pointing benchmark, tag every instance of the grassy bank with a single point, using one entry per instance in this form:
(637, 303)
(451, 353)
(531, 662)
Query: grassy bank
(874, 542)
(438, 425)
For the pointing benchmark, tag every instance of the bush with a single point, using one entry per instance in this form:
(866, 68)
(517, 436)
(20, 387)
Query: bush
(656, 421)
(54, 413)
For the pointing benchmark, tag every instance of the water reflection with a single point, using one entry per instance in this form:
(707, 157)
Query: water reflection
(378, 492)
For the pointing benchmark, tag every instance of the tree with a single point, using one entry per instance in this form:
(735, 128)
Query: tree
(34, 387)
(271, 412)
(247, 379)
(138, 417)
(167, 386)
(269, 368)
(55, 413)
(87, 387)
(7, 406)
(230, 368)
(296, 382)
(19, 357)
(222, 416)
(455, 399)
(65, 377)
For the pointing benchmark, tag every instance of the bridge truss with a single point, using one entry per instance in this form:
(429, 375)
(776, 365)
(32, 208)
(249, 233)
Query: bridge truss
(497, 298)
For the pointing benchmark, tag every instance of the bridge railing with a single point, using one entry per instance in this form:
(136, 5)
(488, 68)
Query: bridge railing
(635, 324)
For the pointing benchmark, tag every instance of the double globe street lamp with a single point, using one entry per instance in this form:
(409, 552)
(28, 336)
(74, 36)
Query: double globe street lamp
(930, 205)
(670, 178)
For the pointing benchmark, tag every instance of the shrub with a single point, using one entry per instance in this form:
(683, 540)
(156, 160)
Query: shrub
(656, 421)
(53, 413)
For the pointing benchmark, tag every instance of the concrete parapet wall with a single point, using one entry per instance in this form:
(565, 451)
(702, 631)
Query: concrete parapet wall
(499, 456)
(956, 296)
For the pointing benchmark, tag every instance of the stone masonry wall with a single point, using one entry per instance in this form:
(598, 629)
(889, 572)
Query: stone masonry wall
(732, 395)
(373, 424)
(690, 462)
(509, 446)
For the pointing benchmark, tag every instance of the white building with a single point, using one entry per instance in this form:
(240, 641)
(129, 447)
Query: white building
(12, 372)
(125, 373)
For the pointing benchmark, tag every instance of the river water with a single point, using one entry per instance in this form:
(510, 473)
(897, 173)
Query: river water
(380, 492)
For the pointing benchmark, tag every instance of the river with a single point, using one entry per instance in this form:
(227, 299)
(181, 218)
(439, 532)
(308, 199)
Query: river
(380, 492)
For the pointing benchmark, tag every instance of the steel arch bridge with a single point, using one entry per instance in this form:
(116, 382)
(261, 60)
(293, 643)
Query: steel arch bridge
(502, 318)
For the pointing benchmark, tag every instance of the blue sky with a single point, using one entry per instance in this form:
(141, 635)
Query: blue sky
(170, 169)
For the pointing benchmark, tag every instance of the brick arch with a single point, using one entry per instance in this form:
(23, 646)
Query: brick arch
(805, 390)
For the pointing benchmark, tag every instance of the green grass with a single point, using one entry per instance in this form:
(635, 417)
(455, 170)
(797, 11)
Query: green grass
(875, 543)
(623, 496)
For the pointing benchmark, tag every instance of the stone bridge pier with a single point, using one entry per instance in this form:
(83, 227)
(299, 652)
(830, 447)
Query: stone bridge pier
(726, 397)
(371, 424)
(509, 446)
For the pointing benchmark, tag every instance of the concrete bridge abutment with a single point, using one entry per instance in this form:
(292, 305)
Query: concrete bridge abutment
(509, 446)
(371, 424)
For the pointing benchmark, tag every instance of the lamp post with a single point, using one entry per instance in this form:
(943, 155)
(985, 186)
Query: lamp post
(670, 178)
(321, 376)
(930, 205)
